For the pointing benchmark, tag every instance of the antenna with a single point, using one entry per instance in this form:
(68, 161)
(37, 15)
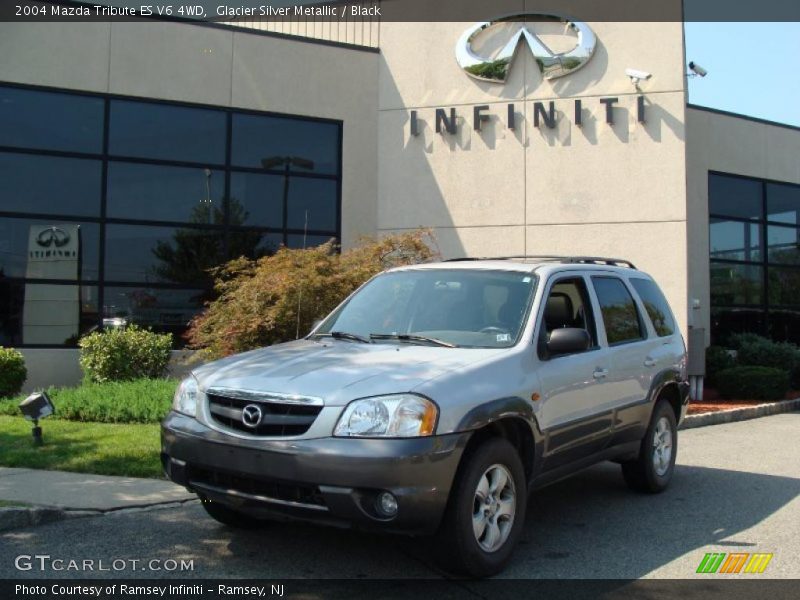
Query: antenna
(300, 291)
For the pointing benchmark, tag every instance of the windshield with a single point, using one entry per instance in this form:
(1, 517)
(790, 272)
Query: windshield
(459, 307)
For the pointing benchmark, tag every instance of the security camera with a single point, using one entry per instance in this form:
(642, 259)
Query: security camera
(697, 69)
(637, 75)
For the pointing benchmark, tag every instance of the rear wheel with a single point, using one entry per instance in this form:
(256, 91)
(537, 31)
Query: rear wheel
(229, 516)
(486, 511)
(652, 470)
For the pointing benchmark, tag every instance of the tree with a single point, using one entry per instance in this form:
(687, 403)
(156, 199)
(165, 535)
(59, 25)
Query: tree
(260, 302)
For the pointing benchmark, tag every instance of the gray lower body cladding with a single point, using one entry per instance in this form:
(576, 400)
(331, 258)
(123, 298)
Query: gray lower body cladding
(329, 480)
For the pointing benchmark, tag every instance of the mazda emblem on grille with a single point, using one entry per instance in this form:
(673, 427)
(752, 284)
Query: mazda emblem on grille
(251, 415)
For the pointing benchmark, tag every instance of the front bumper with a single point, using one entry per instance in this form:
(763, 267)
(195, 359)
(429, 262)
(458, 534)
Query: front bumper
(329, 480)
(683, 391)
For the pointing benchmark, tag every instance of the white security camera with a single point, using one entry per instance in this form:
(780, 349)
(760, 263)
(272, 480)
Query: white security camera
(697, 69)
(636, 75)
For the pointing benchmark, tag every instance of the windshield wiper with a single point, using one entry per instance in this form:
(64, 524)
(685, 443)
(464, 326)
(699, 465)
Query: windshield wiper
(344, 335)
(407, 337)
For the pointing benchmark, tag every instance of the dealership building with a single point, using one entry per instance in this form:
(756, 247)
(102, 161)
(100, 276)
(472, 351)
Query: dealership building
(135, 155)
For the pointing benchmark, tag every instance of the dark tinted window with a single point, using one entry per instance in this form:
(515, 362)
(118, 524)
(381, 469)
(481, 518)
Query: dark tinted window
(46, 314)
(160, 193)
(50, 184)
(736, 284)
(656, 306)
(162, 254)
(620, 316)
(734, 197)
(164, 310)
(50, 120)
(783, 203)
(784, 286)
(299, 241)
(315, 198)
(735, 240)
(149, 130)
(48, 249)
(257, 199)
(257, 139)
(783, 244)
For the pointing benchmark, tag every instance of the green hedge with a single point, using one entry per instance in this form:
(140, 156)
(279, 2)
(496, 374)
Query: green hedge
(753, 383)
(12, 372)
(125, 354)
(139, 401)
(717, 359)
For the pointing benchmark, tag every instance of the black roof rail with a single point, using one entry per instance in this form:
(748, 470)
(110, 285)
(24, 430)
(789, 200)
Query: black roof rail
(614, 262)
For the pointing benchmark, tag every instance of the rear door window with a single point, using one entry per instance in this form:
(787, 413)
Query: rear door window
(620, 315)
(656, 306)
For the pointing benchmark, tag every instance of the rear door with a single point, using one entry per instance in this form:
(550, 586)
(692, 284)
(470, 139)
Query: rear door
(630, 348)
(575, 417)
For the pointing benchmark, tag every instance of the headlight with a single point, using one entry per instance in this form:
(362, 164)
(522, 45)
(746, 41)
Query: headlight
(185, 400)
(399, 415)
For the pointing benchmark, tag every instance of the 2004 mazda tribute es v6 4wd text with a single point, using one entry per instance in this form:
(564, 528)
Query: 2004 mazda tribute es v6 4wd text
(436, 398)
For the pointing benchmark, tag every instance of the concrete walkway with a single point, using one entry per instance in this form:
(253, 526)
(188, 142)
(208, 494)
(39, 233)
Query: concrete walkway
(84, 492)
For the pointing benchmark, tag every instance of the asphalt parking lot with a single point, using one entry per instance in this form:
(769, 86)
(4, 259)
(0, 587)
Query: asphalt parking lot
(735, 490)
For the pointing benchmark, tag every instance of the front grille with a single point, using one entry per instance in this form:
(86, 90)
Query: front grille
(275, 490)
(277, 418)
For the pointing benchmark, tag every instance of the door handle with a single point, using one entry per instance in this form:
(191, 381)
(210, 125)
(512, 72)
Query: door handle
(599, 373)
(649, 362)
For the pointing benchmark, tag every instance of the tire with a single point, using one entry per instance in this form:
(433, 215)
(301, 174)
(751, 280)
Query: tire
(652, 470)
(230, 517)
(500, 518)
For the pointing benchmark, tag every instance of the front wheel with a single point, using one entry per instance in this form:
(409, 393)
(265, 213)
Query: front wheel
(486, 511)
(652, 470)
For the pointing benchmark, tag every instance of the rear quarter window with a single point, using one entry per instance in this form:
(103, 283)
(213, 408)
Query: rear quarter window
(656, 306)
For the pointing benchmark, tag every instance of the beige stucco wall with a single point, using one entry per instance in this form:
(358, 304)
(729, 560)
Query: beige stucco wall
(193, 63)
(597, 189)
(725, 143)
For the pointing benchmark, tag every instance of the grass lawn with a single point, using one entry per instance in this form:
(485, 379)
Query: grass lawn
(102, 448)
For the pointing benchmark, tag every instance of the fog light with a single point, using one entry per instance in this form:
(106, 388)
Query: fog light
(387, 504)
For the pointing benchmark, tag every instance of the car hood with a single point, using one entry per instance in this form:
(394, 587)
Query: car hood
(337, 371)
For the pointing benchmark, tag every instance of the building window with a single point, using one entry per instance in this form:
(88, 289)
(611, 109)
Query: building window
(754, 233)
(116, 208)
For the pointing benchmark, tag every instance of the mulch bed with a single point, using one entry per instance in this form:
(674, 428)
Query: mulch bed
(713, 403)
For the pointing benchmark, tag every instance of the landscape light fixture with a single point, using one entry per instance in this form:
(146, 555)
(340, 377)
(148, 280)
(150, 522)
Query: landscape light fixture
(37, 406)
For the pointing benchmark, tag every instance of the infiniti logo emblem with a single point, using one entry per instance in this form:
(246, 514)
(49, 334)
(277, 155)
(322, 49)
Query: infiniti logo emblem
(551, 64)
(52, 236)
(251, 415)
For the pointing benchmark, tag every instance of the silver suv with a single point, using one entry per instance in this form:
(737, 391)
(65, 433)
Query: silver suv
(435, 398)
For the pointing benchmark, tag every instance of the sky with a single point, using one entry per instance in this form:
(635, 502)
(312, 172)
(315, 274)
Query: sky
(753, 68)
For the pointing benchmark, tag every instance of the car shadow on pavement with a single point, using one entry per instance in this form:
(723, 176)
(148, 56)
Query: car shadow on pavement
(589, 526)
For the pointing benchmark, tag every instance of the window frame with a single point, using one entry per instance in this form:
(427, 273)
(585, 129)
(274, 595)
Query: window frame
(591, 320)
(105, 157)
(764, 307)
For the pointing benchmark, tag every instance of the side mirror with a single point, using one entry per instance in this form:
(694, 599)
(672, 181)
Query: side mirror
(568, 340)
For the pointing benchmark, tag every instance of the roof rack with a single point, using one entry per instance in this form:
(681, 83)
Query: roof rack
(596, 260)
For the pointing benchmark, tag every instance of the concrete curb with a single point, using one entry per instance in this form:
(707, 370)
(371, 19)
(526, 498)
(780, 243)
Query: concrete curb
(19, 517)
(740, 414)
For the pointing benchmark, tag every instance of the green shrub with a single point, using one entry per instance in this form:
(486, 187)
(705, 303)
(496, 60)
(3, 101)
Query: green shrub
(765, 353)
(125, 354)
(717, 359)
(137, 401)
(737, 340)
(12, 372)
(753, 383)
